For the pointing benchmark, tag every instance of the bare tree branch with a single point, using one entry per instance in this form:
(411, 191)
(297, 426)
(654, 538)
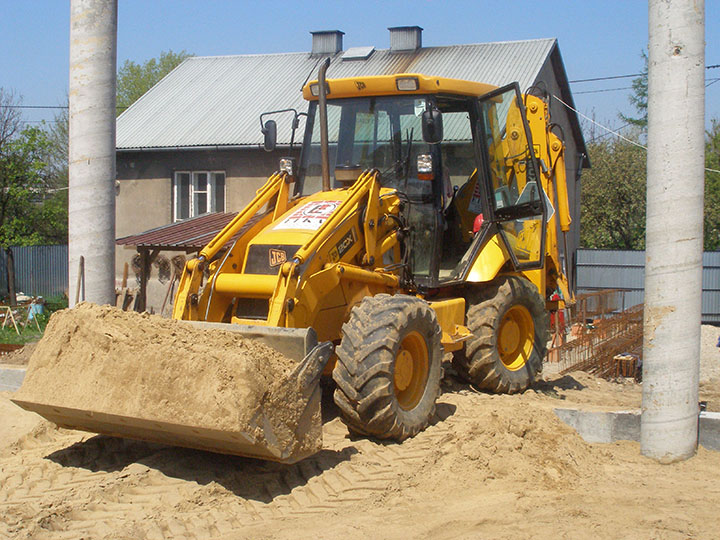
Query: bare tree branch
(10, 118)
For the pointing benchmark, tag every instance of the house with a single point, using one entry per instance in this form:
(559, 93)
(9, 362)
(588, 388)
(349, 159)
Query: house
(192, 144)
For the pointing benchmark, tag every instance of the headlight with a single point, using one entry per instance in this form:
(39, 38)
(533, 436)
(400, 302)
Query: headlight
(315, 89)
(287, 165)
(407, 84)
(425, 167)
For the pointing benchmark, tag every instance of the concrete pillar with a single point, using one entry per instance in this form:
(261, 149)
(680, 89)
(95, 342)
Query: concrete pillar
(674, 233)
(91, 209)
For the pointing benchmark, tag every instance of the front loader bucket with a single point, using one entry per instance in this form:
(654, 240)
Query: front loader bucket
(209, 386)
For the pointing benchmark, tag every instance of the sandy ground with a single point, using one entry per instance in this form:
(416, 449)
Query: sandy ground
(489, 467)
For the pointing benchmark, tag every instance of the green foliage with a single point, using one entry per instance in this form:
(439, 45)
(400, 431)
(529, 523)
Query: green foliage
(136, 79)
(613, 197)
(614, 190)
(57, 157)
(23, 180)
(639, 97)
(53, 219)
(33, 173)
(712, 188)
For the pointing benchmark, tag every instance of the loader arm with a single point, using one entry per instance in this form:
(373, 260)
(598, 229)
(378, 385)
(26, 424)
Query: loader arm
(186, 300)
(350, 242)
(366, 187)
(317, 268)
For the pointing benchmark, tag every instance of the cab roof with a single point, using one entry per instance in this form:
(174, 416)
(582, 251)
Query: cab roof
(388, 85)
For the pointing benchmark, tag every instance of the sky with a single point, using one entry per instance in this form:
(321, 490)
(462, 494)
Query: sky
(597, 39)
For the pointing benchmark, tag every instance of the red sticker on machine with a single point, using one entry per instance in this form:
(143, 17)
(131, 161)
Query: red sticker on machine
(310, 216)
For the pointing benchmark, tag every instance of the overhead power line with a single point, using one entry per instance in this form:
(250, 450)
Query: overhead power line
(709, 82)
(604, 90)
(612, 77)
(605, 78)
(35, 107)
(614, 132)
(44, 107)
(593, 79)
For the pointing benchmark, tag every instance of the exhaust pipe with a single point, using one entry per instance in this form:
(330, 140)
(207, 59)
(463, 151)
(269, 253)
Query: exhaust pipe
(322, 102)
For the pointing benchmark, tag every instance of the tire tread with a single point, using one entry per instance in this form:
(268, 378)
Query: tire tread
(364, 371)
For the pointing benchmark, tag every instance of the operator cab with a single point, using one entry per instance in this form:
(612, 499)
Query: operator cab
(450, 154)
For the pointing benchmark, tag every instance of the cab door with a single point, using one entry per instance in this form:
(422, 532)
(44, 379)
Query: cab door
(517, 200)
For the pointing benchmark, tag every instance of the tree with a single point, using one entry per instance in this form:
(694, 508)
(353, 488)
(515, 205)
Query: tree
(639, 97)
(53, 223)
(136, 79)
(10, 119)
(9, 125)
(22, 184)
(613, 199)
(613, 196)
(33, 205)
(712, 188)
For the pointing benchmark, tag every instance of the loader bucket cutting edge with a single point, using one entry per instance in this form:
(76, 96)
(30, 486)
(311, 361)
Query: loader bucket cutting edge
(284, 428)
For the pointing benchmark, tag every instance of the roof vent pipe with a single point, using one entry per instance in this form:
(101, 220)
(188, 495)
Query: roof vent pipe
(327, 41)
(405, 38)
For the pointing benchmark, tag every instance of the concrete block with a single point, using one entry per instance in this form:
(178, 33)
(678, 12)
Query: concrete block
(709, 430)
(606, 427)
(602, 427)
(11, 378)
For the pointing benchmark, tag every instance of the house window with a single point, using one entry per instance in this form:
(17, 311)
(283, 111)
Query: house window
(198, 192)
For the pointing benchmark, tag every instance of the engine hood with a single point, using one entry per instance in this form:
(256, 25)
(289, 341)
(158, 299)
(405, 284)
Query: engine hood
(279, 240)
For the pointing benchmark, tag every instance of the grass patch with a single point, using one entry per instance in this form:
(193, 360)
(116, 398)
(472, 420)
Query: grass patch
(30, 333)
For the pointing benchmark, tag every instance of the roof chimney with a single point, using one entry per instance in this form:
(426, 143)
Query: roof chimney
(327, 41)
(405, 38)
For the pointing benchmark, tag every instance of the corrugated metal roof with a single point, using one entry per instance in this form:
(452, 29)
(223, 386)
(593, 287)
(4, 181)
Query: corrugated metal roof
(217, 101)
(191, 234)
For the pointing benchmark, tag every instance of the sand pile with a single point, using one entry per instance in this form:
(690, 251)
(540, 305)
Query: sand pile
(20, 357)
(140, 366)
(506, 442)
(709, 353)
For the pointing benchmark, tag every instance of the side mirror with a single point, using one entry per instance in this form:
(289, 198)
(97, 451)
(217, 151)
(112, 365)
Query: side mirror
(269, 131)
(432, 126)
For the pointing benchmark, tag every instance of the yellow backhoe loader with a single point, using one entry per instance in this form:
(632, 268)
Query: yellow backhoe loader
(420, 219)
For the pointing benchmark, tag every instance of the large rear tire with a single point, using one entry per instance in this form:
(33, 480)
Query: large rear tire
(511, 328)
(389, 367)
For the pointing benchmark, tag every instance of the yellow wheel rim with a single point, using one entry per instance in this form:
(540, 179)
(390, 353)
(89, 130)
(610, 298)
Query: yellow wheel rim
(412, 364)
(516, 337)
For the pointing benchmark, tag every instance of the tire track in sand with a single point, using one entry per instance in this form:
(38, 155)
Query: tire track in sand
(77, 485)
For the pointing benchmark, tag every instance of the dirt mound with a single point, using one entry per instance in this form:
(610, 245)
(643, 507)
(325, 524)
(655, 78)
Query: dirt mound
(502, 442)
(150, 373)
(20, 357)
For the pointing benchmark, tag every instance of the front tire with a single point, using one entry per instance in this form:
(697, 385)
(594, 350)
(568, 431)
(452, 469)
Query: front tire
(511, 328)
(389, 367)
